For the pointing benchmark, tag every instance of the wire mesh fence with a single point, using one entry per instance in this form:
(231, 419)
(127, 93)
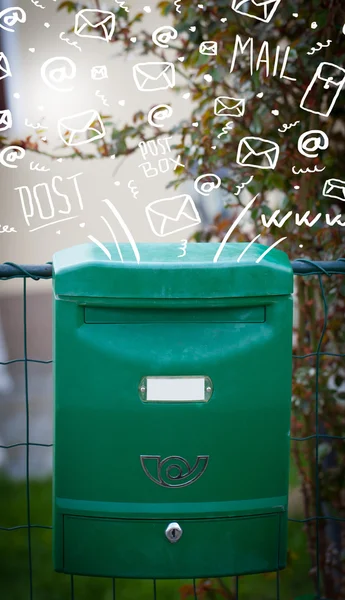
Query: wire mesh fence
(325, 547)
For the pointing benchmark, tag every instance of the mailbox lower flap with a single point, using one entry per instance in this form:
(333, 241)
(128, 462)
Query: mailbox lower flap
(147, 549)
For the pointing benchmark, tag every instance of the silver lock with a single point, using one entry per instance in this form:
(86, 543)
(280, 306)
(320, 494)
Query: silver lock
(173, 532)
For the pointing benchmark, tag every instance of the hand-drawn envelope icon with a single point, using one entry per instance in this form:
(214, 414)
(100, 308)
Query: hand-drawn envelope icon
(153, 76)
(99, 72)
(5, 70)
(257, 152)
(262, 10)
(334, 188)
(208, 48)
(5, 119)
(87, 122)
(229, 107)
(326, 85)
(170, 215)
(101, 23)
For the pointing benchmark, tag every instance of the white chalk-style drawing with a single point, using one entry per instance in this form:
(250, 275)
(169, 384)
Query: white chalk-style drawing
(262, 10)
(299, 219)
(171, 215)
(5, 70)
(36, 167)
(177, 4)
(162, 35)
(326, 84)
(154, 76)
(264, 58)
(68, 41)
(102, 97)
(153, 147)
(183, 248)
(205, 184)
(48, 208)
(134, 189)
(98, 73)
(7, 229)
(319, 47)
(224, 106)
(274, 245)
(287, 126)
(10, 16)
(225, 130)
(89, 121)
(159, 113)
(247, 247)
(257, 153)
(5, 119)
(125, 229)
(209, 48)
(37, 3)
(37, 126)
(91, 23)
(311, 141)
(243, 185)
(233, 227)
(315, 169)
(122, 5)
(114, 237)
(162, 166)
(100, 245)
(208, 78)
(10, 154)
(334, 188)
(55, 76)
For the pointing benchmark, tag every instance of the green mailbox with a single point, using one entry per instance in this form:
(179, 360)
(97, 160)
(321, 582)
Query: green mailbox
(172, 410)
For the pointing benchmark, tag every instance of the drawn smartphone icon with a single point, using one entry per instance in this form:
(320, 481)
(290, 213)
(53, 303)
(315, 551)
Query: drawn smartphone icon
(324, 89)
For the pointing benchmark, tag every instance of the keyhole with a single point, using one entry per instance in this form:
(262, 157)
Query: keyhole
(173, 533)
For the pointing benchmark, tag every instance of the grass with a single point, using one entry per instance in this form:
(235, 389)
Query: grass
(48, 585)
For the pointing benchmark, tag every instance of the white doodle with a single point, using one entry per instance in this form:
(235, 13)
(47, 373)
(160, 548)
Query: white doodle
(134, 189)
(163, 166)
(161, 112)
(5, 119)
(114, 237)
(162, 35)
(125, 229)
(243, 185)
(233, 227)
(209, 48)
(334, 188)
(247, 247)
(5, 70)
(10, 154)
(155, 147)
(122, 5)
(154, 76)
(68, 41)
(326, 84)
(87, 122)
(59, 73)
(287, 126)
(257, 153)
(224, 106)
(183, 248)
(100, 245)
(311, 141)
(36, 167)
(10, 16)
(299, 219)
(37, 126)
(98, 21)
(264, 58)
(178, 7)
(205, 184)
(102, 97)
(319, 47)
(98, 73)
(226, 129)
(262, 10)
(274, 245)
(171, 215)
(315, 169)
(36, 3)
(41, 198)
(7, 229)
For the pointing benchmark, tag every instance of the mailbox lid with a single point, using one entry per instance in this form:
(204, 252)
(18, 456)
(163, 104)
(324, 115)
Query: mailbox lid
(86, 272)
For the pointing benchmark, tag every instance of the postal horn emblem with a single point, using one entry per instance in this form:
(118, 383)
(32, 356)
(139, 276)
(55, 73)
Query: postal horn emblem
(173, 471)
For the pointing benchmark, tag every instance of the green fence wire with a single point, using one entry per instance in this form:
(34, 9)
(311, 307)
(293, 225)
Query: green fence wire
(301, 267)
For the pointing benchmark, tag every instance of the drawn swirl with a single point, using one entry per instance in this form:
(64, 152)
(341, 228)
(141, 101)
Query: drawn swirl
(159, 113)
(204, 186)
(173, 471)
(162, 35)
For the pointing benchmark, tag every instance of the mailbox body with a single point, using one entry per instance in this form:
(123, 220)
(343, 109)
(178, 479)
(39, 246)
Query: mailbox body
(172, 404)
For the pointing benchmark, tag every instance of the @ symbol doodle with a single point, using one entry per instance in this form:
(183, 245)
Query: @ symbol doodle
(59, 74)
(204, 186)
(312, 141)
(173, 471)
(10, 16)
(159, 113)
(10, 154)
(162, 35)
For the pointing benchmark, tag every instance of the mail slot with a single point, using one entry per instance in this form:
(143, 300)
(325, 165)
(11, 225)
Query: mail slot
(172, 410)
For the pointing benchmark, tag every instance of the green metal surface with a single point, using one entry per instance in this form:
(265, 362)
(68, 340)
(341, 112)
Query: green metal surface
(117, 323)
